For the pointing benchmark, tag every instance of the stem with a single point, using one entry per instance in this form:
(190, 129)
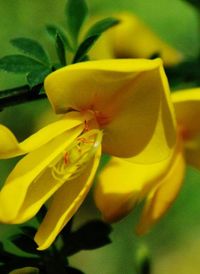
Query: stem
(19, 95)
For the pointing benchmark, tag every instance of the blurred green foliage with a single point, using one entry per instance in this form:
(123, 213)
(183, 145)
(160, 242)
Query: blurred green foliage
(177, 22)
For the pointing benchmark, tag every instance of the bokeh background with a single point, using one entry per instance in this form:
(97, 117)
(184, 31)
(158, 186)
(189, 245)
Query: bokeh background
(174, 244)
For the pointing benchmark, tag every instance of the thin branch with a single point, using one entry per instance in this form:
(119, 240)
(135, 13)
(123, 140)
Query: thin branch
(19, 95)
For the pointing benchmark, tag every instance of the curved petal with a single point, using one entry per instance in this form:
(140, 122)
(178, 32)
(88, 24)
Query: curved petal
(162, 196)
(121, 184)
(65, 203)
(10, 147)
(31, 182)
(144, 127)
(130, 99)
(97, 82)
(187, 110)
(132, 38)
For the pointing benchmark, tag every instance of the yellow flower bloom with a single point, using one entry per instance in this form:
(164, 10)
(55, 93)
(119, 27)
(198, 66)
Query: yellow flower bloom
(131, 38)
(122, 184)
(121, 105)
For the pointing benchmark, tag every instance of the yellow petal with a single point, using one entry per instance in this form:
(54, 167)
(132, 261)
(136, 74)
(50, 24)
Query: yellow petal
(132, 38)
(10, 147)
(66, 202)
(163, 195)
(31, 182)
(122, 184)
(130, 99)
(94, 84)
(187, 110)
(144, 128)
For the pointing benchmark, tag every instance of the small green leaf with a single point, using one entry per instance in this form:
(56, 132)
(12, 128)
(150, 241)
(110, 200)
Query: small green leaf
(36, 77)
(60, 48)
(32, 48)
(76, 12)
(19, 64)
(25, 243)
(28, 231)
(84, 58)
(54, 30)
(101, 26)
(25, 270)
(92, 235)
(84, 48)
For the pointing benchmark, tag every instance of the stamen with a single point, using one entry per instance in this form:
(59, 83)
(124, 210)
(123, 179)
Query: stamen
(72, 162)
(66, 158)
(84, 140)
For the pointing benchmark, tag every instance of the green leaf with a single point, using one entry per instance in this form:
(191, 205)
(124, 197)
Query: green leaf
(32, 48)
(25, 270)
(92, 235)
(60, 48)
(28, 231)
(101, 26)
(4, 255)
(84, 48)
(19, 64)
(25, 243)
(37, 77)
(84, 58)
(76, 12)
(54, 30)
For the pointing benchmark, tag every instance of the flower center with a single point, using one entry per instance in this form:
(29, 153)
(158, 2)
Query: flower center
(73, 161)
(184, 133)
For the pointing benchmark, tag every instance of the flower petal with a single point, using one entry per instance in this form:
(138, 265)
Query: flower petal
(163, 195)
(145, 127)
(31, 182)
(97, 82)
(121, 184)
(187, 109)
(10, 147)
(65, 203)
(130, 99)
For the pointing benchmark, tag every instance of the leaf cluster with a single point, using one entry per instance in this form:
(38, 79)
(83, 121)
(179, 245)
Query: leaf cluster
(91, 235)
(33, 60)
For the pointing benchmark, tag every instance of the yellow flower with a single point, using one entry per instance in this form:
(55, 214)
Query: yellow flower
(122, 184)
(131, 38)
(122, 106)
